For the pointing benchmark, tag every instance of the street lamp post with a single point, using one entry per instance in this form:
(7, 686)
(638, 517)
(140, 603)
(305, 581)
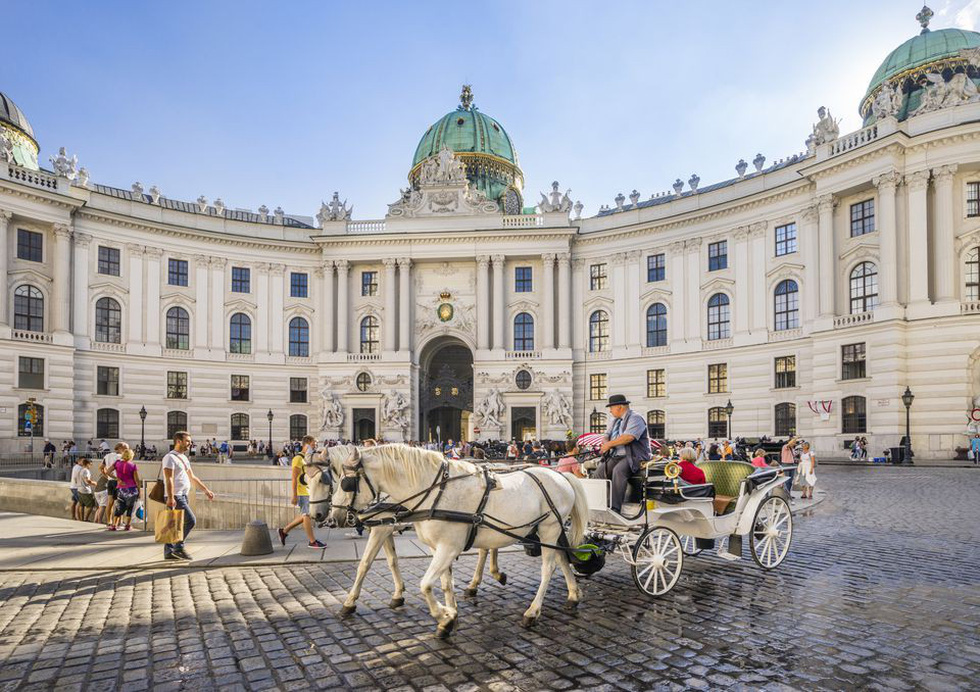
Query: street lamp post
(728, 410)
(270, 416)
(142, 431)
(907, 399)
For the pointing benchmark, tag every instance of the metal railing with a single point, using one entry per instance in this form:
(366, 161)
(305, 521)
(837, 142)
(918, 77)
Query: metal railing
(237, 501)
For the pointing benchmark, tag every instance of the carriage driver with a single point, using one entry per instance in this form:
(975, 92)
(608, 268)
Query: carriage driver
(628, 443)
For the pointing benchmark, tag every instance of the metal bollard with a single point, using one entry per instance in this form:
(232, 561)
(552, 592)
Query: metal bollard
(256, 540)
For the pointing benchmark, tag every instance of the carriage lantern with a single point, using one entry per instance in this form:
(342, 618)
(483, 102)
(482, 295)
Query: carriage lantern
(907, 398)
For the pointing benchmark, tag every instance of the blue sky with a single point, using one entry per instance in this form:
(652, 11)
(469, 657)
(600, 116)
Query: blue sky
(283, 103)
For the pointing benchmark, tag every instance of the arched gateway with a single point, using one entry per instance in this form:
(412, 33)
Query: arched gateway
(445, 390)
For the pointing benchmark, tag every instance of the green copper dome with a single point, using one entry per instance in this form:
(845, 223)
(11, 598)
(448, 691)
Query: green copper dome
(19, 132)
(921, 50)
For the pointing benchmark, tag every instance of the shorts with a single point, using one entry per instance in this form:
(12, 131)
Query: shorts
(126, 501)
(102, 497)
(303, 504)
(86, 499)
(74, 494)
(110, 486)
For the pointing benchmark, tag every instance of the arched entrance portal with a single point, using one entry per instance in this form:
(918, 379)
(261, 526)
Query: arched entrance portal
(445, 390)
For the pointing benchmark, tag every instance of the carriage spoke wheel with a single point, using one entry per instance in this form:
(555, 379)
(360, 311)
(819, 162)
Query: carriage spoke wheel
(772, 532)
(690, 545)
(657, 561)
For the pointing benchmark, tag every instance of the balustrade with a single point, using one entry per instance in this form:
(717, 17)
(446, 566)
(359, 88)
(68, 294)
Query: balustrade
(851, 320)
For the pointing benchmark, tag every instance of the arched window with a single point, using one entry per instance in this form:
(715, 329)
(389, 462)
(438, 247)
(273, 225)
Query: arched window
(598, 331)
(785, 420)
(787, 305)
(297, 426)
(854, 415)
(176, 421)
(719, 317)
(28, 309)
(107, 423)
(657, 424)
(108, 321)
(363, 382)
(972, 274)
(370, 335)
(657, 325)
(178, 329)
(299, 337)
(523, 332)
(597, 422)
(717, 422)
(864, 288)
(241, 333)
(37, 425)
(239, 426)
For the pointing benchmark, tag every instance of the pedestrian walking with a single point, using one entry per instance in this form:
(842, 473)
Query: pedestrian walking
(787, 459)
(128, 491)
(301, 495)
(975, 448)
(177, 478)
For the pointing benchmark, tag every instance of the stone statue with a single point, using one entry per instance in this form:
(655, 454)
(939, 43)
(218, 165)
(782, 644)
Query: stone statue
(6, 148)
(826, 129)
(83, 177)
(335, 211)
(491, 410)
(331, 410)
(394, 411)
(558, 410)
(65, 167)
(466, 97)
(442, 188)
(202, 204)
(888, 102)
(555, 201)
(138, 191)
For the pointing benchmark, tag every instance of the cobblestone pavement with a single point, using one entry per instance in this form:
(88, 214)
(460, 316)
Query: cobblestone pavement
(879, 592)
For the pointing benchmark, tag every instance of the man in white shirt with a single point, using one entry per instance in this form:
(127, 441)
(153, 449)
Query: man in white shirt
(177, 479)
(86, 494)
(76, 472)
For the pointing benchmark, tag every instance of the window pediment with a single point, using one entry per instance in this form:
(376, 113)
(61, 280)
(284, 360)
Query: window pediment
(859, 251)
(718, 283)
(109, 288)
(177, 297)
(656, 294)
(28, 276)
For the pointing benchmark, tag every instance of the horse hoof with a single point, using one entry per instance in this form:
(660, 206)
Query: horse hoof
(447, 629)
(348, 609)
(502, 579)
(470, 592)
(571, 605)
(396, 602)
(529, 622)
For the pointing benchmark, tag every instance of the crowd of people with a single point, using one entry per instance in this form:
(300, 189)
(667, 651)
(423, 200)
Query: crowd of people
(113, 494)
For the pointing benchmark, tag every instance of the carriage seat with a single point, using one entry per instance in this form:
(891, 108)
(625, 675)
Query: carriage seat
(727, 478)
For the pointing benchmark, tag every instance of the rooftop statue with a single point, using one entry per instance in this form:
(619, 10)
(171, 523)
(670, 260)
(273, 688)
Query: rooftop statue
(64, 166)
(335, 211)
(938, 93)
(466, 97)
(826, 129)
(6, 148)
(888, 102)
(557, 201)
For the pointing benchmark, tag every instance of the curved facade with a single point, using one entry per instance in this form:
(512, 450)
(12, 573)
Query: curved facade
(809, 293)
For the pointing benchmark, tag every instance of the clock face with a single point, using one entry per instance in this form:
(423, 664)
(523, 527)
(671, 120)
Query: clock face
(445, 312)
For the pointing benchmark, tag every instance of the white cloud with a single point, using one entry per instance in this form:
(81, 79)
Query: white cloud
(969, 16)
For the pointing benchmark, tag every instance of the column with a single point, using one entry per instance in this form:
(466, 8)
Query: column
(343, 289)
(405, 304)
(825, 231)
(676, 278)
(692, 291)
(944, 250)
(152, 312)
(743, 280)
(276, 318)
(621, 311)
(4, 269)
(328, 316)
(578, 310)
(888, 239)
(81, 307)
(216, 306)
(263, 298)
(202, 272)
(564, 311)
(548, 321)
(60, 291)
(499, 309)
(757, 271)
(483, 302)
(811, 260)
(389, 329)
(136, 313)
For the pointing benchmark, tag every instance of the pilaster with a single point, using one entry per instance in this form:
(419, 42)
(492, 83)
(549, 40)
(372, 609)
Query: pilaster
(389, 325)
(548, 321)
(564, 289)
(499, 306)
(136, 312)
(918, 240)
(343, 305)
(483, 324)
(405, 305)
(944, 250)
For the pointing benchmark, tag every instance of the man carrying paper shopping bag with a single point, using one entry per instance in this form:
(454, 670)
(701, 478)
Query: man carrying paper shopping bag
(177, 478)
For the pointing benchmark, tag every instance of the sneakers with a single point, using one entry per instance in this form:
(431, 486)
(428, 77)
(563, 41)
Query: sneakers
(316, 545)
(282, 536)
(110, 528)
(129, 527)
(172, 556)
(181, 554)
(352, 534)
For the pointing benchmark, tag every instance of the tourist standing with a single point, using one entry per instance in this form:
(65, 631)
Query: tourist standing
(808, 471)
(975, 447)
(86, 490)
(76, 472)
(109, 463)
(177, 478)
(128, 491)
(49, 451)
(301, 495)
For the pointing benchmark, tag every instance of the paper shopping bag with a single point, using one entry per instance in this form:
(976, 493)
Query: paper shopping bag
(169, 526)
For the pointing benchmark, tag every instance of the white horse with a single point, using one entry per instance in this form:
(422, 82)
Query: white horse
(414, 477)
(379, 537)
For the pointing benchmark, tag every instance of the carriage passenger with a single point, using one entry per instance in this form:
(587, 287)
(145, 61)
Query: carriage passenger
(690, 473)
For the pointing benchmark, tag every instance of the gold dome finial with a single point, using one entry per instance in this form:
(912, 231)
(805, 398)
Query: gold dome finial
(925, 14)
(466, 97)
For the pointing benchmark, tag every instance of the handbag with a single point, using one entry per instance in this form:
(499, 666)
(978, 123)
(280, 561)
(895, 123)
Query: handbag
(169, 526)
(157, 491)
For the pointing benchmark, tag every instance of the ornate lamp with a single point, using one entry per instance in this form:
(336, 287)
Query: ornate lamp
(142, 431)
(907, 398)
(270, 416)
(729, 408)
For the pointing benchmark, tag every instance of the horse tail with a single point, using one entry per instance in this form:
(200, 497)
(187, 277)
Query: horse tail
(580, 511)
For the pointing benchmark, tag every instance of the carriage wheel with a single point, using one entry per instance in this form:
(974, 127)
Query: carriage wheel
(657, 561)
(772, 532)
(690, 545)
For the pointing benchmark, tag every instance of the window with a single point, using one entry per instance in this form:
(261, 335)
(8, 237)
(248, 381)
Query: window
(785, 239)
(29, 245)
(787, 305)
(523, 380)
(298, 390)
(37, 425)
(854, 415)
(657, 325)
(597, 277)
(28, 309)
(973, 274)
(717, 378)
(597, 422)
(241, 279)
(369, 283)
(853, 362)
(785, 420)
(370, 333)
(656, 383)
(176, 385)
(973, 199)
(718, 255)
(107, 380)
(177, 273)
(599, 331)
(299, 337)
(239, 388)
(717, 422)
(522, 280)
(176, 421)
(862, 217)
(656, 268)
(657, 425)
(363, 382)
(107, 423)
(719, 316)
(523, 332)
(109, 260)
(299, 285)
(597, 386)
(178, 329)
(30, 373)
(239, 426)
(297, 426)
(864, 288)
(785, 372)
(108, 321)
(241, 333)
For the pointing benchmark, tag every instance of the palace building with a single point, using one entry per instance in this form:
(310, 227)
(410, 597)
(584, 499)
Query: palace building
(809, 292)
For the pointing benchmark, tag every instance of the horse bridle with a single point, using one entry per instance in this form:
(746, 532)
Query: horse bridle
(349, 483)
